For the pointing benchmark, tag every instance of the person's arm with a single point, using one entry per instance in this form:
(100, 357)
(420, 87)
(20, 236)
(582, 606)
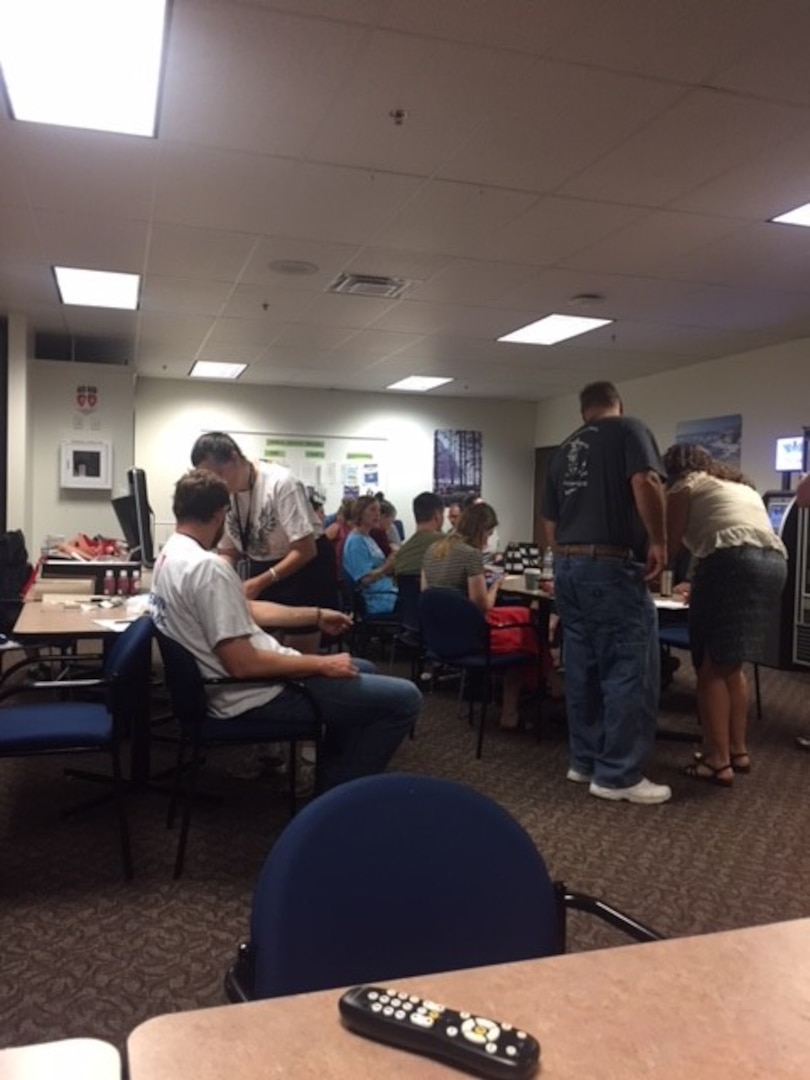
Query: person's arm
(803, 492)
(483, 596)
(678, 504)
(548, 529)
(242, 660)
(284, 617)
(648, 495)
(301, 552)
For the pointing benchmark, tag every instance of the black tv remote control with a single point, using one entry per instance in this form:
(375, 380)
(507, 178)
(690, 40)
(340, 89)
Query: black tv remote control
(487, 1048)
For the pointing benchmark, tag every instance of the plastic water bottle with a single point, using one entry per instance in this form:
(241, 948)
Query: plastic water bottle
(547, 565)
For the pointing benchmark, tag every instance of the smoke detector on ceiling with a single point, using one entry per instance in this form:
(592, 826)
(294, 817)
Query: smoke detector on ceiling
(386, 288)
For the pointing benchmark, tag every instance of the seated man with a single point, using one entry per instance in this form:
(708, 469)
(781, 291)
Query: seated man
(197, 600)
(428, 512)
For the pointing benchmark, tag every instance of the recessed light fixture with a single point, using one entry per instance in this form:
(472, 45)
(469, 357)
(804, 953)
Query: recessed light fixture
(419, 382)
(554, 328)
(97, 288)
(86, 64)
(213, 369)
(799, 216)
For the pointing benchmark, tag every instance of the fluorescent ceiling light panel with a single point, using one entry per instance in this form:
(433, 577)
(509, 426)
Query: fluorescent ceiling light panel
(97, 288)
(83, 63)
(213, 369)
(554, 328)
(419, 382)
(799, 216)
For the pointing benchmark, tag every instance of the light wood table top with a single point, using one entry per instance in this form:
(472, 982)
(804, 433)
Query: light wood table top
(67, 1059)
(734, 1004)
(516, 583)
(64, 618)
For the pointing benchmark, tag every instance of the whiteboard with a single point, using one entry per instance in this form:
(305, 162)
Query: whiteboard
(332, 465)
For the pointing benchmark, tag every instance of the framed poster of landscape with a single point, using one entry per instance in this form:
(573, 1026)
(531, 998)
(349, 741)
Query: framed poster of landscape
(721, 436)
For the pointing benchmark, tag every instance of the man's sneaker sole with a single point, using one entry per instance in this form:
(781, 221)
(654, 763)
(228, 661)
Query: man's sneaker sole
(648, 796)
(577, 777)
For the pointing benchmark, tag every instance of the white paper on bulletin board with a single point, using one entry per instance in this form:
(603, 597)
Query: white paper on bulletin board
(330, 464)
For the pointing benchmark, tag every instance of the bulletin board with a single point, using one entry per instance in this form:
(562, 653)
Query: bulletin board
(331, 465)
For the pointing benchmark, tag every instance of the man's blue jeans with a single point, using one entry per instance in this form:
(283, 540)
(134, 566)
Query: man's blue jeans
(365, 719)
(612, 666)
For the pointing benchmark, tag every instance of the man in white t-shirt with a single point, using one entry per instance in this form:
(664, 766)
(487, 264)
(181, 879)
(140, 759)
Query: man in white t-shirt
(197, 600)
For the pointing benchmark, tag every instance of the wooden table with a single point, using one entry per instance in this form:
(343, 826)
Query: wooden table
(67, 1059)
(734, 1004)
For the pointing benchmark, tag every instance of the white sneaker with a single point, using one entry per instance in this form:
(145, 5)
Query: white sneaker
(578, 777)
(644, 792)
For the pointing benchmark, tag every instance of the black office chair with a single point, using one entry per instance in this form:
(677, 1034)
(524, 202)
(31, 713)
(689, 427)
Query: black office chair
(408, 635)
(200, 732)
(392, 876)
(456, 634)
(369, 625)
(72, 726)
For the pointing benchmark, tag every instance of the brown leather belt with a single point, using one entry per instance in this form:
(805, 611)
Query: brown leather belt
(594, 551)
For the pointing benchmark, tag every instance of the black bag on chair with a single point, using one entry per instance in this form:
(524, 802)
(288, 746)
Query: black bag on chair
(15, 573)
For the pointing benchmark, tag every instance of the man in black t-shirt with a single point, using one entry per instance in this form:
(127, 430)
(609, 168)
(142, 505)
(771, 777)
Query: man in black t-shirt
(603, 506)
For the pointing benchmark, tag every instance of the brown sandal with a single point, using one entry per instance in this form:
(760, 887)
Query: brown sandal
(712, 774)
(736, 758)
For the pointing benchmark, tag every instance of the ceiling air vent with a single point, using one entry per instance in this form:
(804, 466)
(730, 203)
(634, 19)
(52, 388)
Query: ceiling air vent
(388, 288)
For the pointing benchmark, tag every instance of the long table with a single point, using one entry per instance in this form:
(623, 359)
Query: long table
(733, 1004)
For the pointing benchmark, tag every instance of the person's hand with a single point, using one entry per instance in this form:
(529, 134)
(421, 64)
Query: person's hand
(656, 561)
(252, 588)
(682, 590)
(337, 666)
(334, 622)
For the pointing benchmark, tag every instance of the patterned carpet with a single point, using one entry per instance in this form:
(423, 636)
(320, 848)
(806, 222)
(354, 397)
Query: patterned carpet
(86, 954)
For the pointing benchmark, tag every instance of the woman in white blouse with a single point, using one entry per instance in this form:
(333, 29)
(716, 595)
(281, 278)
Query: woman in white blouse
(740, 567)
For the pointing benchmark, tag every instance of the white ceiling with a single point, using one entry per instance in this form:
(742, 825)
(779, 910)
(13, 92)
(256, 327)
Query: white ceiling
(628, 148)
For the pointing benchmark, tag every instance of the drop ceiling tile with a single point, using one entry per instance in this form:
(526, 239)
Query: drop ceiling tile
(20, 236)
(328, 258)
(191, 252)
(446, 218)
(702, 136)
(252, 301)
(777, 67)
(368, 345)
(533, 145)
(93, 242)
(472, 282)
(258, 333)
(192, 295)
(250, 79)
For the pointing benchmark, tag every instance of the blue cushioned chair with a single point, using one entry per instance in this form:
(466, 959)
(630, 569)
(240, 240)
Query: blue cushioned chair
(200, 731)
(392, 876)
(455, 633)
(408, 634)
(68, 726)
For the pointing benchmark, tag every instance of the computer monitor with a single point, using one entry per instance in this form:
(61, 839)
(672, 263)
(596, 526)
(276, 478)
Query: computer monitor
(777, 503)
(790, 453)
(135, 518)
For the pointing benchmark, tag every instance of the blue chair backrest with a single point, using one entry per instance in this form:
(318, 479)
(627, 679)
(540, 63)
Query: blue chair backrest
(397, 875)
(128, 662)
(451, 624)
(410, 590)
(183, 679)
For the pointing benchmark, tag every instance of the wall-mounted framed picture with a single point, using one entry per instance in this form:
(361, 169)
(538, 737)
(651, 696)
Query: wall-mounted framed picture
(86, 465)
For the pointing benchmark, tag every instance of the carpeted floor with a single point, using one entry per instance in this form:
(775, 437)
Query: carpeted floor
(86, 954)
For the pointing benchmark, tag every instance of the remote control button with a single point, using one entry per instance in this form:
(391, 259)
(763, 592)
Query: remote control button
(506, 1027)
(384, 998)
(511, 1051)
(452, 1032)
(406, 1005)
(432, 1006)
(413, 999)
(465, 1015)
(391, 993)
(376, 1007)
(491, 1048)
(388, 1011)
(479, 1030)
(521, 1034)
(421, 1020)
(402, 995)
(400, 1014)
(373, 995)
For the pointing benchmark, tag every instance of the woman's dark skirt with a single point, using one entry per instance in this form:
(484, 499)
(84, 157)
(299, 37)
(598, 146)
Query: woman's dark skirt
(733, 592)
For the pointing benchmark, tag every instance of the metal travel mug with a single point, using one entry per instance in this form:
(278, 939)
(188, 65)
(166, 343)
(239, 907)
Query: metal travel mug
(666, 583)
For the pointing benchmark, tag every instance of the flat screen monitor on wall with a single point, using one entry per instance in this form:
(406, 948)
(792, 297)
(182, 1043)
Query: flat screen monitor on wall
(790, 454)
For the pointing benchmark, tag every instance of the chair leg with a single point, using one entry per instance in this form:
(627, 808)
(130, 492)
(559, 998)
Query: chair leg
(292, 774)
(185, 824)
(123, 824)
(482, 720)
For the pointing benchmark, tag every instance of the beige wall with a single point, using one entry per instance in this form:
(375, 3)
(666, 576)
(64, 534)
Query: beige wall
(770, 387)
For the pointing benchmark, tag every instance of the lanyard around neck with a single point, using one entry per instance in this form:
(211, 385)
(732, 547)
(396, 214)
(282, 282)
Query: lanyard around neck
(244, 528)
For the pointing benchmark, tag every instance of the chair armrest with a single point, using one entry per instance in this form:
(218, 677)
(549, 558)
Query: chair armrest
(613, 916)
(58, 684)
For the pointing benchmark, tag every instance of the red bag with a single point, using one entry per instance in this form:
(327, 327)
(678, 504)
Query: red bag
(512, 630)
